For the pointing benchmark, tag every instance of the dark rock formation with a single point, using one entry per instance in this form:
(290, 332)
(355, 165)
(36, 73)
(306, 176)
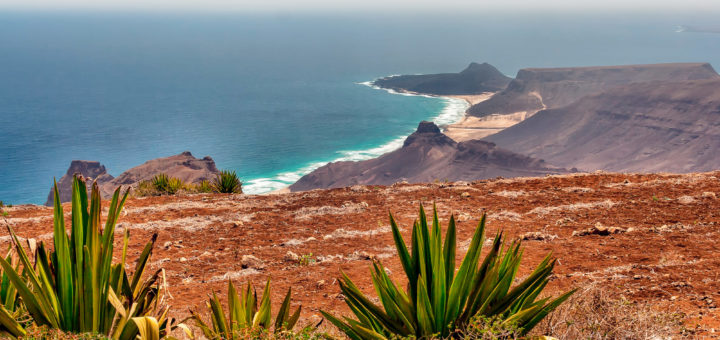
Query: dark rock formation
(475, 79)
(91, 170)
(183, 166)
(539, 88)
(656, 126)
(427, 155)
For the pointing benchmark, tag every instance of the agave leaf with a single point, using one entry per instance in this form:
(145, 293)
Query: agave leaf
(530, 324)
(460, 288)
(263, 317)
(292, 319)
(449, 250)
(237, 313)
(37, 304)
(9, 324)
(344, 327)
(218, 316)
(424, 310)
(405, 258)
(283, 312)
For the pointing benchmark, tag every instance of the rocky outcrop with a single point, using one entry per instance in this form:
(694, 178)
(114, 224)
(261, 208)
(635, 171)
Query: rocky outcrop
(183, 166)
(536, 89)
(475, 79)
(656, 126)
(91, 170)
(427, 155)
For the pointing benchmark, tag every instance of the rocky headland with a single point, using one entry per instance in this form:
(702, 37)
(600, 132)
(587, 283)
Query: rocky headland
(183, 166)
(428, 155)
(475, 79)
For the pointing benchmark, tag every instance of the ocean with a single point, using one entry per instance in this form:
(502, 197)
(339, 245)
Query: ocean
(271, 96)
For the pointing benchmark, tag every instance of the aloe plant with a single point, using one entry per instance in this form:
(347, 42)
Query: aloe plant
(245, 314)
(440, 300)
(76, 288)
(227, 182)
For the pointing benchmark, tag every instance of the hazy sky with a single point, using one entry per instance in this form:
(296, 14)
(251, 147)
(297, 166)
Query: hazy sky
(350, 5)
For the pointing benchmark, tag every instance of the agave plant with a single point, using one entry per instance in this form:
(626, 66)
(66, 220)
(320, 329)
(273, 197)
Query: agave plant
(440, 301)
(76, 288)
(245, 315)
(11, 310)
(227, 182)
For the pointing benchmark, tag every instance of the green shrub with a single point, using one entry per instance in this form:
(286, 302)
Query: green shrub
(174, 185)
(441, 301)
(146, 188)
(75, 287)
(245, 316)
(164, 184)
(160, 182)
(203, 187)
(227, 182)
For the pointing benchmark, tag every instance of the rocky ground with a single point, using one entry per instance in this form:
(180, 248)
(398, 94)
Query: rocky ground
(647, 238)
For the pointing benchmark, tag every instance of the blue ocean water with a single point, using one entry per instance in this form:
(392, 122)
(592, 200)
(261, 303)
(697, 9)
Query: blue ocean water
(270, 96)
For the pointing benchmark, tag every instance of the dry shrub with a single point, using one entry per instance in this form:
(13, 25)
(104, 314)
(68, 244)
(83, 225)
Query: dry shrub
(593, 314)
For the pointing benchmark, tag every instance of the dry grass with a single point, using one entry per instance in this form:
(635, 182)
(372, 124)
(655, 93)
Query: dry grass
(591, 313)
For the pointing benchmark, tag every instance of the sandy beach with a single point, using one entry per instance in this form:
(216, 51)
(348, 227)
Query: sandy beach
(471, 127)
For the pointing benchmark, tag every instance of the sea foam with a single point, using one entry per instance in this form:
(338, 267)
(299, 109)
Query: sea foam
(453, 111)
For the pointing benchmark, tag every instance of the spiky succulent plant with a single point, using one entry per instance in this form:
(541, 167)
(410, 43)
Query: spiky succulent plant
(245, 315)
(75, 287)
(439, 300)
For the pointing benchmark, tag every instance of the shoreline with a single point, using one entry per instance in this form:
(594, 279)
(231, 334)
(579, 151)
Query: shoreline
(453, 112)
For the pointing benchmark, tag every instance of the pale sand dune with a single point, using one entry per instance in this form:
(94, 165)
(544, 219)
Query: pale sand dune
(479, 127)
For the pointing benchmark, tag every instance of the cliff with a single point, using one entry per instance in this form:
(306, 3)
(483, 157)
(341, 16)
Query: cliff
(475, 79)
(426, 156)
(91, 170)
(539, 88)
(657, 126)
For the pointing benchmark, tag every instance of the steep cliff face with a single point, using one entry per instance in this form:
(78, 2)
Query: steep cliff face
(475, 79)
(535, 89)
(91, 170)
(427, 155)
(656, 126)
(183, 166)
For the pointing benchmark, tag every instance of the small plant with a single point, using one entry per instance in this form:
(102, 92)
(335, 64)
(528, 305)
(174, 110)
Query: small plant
(306, 260)
(203, 187)
(245, 315)
(2, 211)
(164, 184)
(160, 182)
(146, 188)
(227, 182)
(174, 185)
(440, 301)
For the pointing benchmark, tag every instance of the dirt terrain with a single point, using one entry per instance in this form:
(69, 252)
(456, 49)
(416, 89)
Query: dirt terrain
(648, 238)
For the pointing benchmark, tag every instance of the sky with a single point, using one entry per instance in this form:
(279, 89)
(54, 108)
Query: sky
(353, 5)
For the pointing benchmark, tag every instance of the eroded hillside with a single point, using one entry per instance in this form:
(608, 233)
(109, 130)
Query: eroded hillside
(649, 238)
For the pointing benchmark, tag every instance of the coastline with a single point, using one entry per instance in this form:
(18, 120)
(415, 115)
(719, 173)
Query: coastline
(454, 111)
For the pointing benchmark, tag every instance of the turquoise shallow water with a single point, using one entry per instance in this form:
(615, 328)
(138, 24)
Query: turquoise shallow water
(269, 96)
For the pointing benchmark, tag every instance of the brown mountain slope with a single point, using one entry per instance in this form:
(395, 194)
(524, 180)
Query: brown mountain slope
(538, 88)
(640, 127)
(666, 256)
(427, 155)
